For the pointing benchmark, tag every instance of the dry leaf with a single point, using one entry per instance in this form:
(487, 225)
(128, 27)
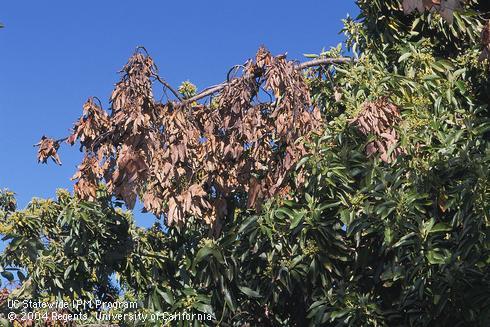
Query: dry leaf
(445, 7)
(48, 149)
(379, 118)
(185, 159)
(485, 42)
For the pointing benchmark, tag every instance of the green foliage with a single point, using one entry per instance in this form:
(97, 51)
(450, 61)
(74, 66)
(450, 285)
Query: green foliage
(187, 89)
(66, 246)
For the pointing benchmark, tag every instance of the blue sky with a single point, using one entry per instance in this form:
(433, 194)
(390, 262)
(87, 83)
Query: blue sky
(56, 54)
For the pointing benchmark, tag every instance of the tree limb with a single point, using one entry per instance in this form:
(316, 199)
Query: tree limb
(323, 61)
(312, 63)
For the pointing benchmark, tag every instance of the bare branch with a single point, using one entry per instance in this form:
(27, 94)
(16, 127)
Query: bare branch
(323, 61)
(209, 91)
(168, 86)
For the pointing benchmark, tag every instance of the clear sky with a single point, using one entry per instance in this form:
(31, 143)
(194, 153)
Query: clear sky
(55, 54)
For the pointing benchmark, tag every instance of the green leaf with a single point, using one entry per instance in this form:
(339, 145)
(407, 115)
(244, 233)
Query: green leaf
(7, 275)
(404, 57)
(229, 300)
(57, 282)
(280, 212)
(246, 223)
(441, 227)
(206, 308)
(21, 276)
(338, 314)
(325, 206)
(67, 271)
(302, 162)
(405, 240)
(296, 220)
(438, 256)
(207, 251)
(167, 296)
(249, 292)
(388, 236)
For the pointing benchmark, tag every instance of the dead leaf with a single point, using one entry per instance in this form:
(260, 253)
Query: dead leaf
(48, 149)
(485, 42)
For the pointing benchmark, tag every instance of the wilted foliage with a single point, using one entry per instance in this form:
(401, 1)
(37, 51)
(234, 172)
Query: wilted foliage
(48, 148)
(93, 122)
(379, 118)
(188, 159)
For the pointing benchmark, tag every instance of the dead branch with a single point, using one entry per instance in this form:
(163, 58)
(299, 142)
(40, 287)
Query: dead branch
(168, 86)
(312, 63)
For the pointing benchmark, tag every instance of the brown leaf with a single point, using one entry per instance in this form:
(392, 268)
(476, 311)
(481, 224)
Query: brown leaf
(185, 159)
(485, 42)
(88, 176)
(48, 149)
(254, 192)
(379, 118)
(446, 8)
(93, 123)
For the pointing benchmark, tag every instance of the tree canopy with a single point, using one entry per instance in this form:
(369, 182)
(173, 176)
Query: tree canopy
(349, 190)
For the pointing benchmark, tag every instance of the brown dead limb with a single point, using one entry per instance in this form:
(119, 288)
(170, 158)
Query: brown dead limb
(309, 64)
(209, 91)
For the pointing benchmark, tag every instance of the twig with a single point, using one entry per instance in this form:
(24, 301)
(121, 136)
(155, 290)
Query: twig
(168, 86)
(55, 141)
(234, 69)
